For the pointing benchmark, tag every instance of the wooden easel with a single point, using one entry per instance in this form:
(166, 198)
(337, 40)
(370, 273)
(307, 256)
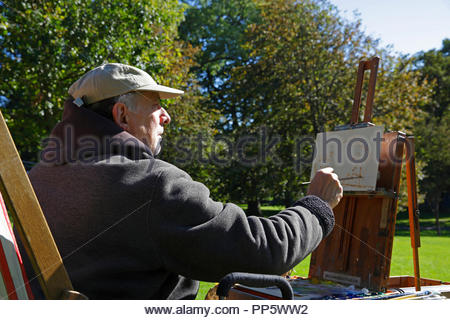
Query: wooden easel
(359, 249)
(30, 222)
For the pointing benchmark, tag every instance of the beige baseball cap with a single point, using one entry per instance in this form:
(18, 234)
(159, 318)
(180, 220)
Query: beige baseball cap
(114, 79)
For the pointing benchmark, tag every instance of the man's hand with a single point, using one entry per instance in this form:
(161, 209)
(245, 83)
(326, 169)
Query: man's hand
(326, 186)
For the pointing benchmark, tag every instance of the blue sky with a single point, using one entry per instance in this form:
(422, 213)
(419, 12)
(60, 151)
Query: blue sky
(409, 25)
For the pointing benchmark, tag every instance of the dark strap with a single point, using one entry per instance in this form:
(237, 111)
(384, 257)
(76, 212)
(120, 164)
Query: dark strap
(254, 280)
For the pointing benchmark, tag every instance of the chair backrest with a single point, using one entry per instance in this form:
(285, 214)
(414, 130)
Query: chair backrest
(13, 280)
(31, 226)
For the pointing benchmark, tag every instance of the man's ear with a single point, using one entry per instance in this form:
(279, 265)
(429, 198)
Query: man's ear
(120, 115)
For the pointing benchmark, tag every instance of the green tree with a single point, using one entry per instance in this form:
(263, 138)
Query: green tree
(432, 131)
(294, 78)
(47, 45)
(217, 28)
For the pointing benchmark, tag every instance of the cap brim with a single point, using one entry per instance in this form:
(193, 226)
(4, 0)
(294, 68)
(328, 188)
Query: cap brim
(164, 92)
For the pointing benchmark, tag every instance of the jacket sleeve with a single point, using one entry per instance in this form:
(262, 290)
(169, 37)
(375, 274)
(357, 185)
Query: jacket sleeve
(204, 240)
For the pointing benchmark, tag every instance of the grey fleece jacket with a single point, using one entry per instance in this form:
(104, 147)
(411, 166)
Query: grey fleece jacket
(129, 226)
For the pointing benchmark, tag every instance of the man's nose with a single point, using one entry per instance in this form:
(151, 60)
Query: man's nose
(165, 117)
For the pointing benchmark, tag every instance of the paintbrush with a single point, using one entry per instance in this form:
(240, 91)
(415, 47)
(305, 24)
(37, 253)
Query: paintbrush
(342, 179)
(413, 295)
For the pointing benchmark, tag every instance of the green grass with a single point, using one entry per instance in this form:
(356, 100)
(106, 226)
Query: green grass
(433, 257)
(433, 253)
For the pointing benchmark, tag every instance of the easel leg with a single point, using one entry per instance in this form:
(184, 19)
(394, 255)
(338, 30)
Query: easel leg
(412, 208)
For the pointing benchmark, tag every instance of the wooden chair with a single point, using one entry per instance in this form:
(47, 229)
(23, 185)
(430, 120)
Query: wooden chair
(32, 228)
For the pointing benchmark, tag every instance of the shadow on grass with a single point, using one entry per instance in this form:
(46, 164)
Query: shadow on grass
(427, 224)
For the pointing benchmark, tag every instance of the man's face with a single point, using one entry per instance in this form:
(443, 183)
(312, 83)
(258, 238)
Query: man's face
(146, 122)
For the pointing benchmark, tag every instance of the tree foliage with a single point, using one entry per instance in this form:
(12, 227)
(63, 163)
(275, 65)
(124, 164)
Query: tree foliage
(432, 131)
(218, 29)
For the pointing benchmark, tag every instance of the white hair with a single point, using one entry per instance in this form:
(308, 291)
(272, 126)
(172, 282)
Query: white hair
(130, 99)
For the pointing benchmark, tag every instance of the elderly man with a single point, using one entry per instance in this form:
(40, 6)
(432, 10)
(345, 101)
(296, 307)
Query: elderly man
(129, 226)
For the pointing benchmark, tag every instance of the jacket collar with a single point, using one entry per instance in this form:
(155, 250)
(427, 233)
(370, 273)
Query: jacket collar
(84, 135)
